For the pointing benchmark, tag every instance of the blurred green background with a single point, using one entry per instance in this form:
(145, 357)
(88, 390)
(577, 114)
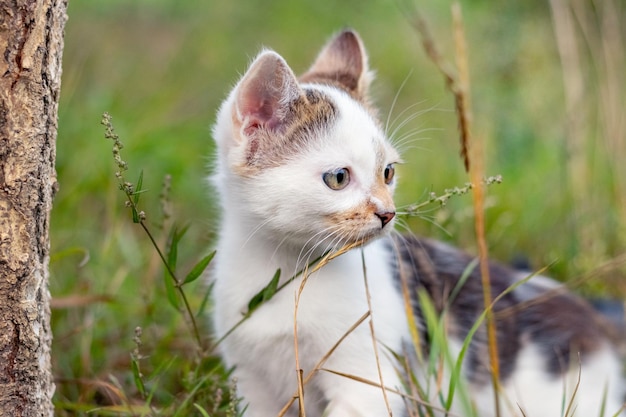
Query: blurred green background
(556, 133)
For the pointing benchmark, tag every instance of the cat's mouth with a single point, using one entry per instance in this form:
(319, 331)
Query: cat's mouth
(362, 224)
(365, 238)
(359, 230)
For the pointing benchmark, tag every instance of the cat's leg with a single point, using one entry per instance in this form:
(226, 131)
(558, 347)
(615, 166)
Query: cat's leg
(349, 396)
(586, 389)
(357, 399)
(258, 398)
(595, 384)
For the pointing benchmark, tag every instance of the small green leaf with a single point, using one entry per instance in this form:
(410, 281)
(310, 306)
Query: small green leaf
(270, 290)
(170, 290)
(265, 294)
(470, 334)
(171, 282)
(137, 377)
(255, 302)
(172, 247)
(138, 189)
(199, 268)
(140, 192)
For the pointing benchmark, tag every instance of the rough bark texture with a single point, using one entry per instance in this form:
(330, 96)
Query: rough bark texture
(31, 42)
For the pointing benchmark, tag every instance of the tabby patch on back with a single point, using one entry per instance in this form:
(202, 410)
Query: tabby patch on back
(304, 168)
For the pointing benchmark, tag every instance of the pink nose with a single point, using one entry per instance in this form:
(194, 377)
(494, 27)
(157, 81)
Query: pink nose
(385, 217)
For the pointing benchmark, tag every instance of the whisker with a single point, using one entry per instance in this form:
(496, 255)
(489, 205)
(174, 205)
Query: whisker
(407, 119)
(280, 244)
(255, 231)
(312, 250)
(412, 136)
(411, 117)
(395, 100)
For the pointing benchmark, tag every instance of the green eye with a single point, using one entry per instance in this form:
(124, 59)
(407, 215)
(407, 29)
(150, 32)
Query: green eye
(389, 173)
(337, 179)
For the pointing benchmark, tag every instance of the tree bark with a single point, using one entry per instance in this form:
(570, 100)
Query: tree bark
(31, 42)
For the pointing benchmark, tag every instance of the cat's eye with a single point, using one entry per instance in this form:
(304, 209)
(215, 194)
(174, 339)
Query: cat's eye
(337, 179)
(390, 171)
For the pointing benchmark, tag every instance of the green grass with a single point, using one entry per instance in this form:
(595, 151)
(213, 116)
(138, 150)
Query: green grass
(161, 68)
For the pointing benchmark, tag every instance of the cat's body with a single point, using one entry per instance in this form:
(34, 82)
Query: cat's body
(303, 167)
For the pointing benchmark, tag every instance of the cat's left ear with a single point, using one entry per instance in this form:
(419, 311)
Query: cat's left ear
(343, 63)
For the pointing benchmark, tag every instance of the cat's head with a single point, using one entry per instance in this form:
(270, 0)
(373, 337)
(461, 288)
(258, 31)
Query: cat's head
(305, 161)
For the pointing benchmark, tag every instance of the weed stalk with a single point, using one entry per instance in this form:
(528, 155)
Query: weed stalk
(133, 193)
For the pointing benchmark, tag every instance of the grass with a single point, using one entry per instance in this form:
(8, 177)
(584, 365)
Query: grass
(161, 69)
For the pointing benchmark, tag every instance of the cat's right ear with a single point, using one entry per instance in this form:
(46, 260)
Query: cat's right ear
(264, 96)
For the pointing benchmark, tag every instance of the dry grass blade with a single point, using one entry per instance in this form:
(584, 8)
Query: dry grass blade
(411, 384)
(305, 277)
(300, 382)
(450, 77)
(521, 410)
(460, 86)
(476, 172)
(462, 96)
(569, 412)
(301, 412)
(391, 390)
(373, 333)
(591, 41)
(322, 361)
(576, 111)
(408, 307)
(73, 301)
(110, 391)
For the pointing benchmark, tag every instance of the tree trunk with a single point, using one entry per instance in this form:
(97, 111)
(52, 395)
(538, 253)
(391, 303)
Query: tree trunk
(31, 42)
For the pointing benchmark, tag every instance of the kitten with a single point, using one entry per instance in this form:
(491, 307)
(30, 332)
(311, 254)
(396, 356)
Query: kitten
(303, 167)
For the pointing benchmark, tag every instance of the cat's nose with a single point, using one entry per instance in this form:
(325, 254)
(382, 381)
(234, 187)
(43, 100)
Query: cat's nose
(385, 216)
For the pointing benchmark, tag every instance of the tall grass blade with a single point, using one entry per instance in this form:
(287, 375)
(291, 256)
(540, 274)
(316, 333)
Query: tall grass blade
(172, 249)
(201, 410)
(571, 406)
(137, 378)
(603, 405)
(171, 283)
(182, 409)
(138, 190)
(462, 280)
(135, 214)
(205, 300)
(470, 335)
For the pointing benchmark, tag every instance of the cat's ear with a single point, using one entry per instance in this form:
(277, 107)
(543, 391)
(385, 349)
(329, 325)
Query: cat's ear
(343, 63)
(265, 94)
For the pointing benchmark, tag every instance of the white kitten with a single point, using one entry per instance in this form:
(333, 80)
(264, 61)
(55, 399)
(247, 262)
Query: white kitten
(304, 168)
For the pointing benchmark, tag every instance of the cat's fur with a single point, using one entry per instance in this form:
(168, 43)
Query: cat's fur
(277, 137)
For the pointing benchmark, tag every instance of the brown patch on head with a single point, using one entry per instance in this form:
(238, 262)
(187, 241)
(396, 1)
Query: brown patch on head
(303, 120)
(273, 116)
